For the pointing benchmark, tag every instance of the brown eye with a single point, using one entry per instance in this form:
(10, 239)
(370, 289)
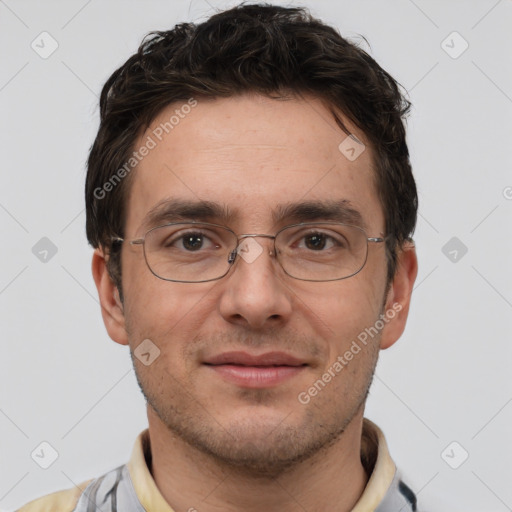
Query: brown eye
(193, 242)
(316, 241)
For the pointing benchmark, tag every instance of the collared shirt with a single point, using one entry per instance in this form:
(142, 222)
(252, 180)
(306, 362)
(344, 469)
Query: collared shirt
(131, 487)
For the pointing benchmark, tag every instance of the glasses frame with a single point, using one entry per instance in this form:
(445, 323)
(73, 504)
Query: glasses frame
(232, 255)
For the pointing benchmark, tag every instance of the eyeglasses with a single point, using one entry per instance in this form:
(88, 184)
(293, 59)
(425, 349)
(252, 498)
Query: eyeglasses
(195, 252)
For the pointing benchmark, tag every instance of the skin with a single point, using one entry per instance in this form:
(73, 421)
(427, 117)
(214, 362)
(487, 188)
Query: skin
(216, 445)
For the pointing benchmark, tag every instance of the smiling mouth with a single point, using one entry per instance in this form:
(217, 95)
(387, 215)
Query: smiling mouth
(256, 371)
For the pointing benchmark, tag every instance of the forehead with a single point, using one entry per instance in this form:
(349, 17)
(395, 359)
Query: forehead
(251, 155)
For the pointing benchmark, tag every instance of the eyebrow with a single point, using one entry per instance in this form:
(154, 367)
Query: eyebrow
(177, 210)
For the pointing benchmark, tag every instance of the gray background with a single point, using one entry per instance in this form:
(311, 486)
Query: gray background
(65, 382)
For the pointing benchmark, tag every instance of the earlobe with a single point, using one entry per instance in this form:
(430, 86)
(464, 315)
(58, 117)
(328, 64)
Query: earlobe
(398, 298)
(112, 309)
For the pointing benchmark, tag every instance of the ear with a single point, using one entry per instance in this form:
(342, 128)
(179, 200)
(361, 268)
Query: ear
(398, 298)
(112, 309)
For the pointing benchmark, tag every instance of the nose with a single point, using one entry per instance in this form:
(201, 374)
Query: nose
(255, 293)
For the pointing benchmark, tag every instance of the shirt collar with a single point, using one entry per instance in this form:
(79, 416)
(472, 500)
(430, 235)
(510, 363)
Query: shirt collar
(375, 448)
(374, 454)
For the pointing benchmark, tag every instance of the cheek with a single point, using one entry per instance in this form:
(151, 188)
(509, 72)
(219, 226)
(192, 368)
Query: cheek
(165, 319)
(150, 300)
(341, 311)
(169, 314)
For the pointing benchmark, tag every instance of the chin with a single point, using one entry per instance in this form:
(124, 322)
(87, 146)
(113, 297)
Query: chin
(264, 453)
(260, 444)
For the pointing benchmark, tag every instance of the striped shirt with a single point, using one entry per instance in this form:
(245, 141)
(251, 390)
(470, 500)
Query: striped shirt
(131, 488)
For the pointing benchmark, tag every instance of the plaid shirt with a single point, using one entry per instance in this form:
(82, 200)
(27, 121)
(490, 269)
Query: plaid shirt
(131, 488)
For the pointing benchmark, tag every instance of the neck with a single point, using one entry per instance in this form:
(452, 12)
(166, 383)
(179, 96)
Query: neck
(332, 479)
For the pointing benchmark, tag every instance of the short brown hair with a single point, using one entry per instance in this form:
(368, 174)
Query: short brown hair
(261, 48)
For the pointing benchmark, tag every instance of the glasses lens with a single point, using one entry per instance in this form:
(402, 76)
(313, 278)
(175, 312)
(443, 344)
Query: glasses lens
(322, 251)
(189, 252)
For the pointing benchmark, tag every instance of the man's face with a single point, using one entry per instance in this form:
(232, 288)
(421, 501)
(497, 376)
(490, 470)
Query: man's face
(253, 155)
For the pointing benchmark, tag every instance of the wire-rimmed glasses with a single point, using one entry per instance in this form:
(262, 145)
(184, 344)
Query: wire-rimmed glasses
(196, 252)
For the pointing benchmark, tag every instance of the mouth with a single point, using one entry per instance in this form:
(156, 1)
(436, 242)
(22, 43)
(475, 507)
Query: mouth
(256, 371)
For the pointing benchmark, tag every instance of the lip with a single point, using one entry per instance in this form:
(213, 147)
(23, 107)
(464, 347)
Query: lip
(256, 371)
(246, 359)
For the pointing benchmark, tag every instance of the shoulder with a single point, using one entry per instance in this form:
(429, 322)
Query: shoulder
(60, 501)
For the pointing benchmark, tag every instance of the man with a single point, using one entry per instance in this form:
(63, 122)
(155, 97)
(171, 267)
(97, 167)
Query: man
(250, 200)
